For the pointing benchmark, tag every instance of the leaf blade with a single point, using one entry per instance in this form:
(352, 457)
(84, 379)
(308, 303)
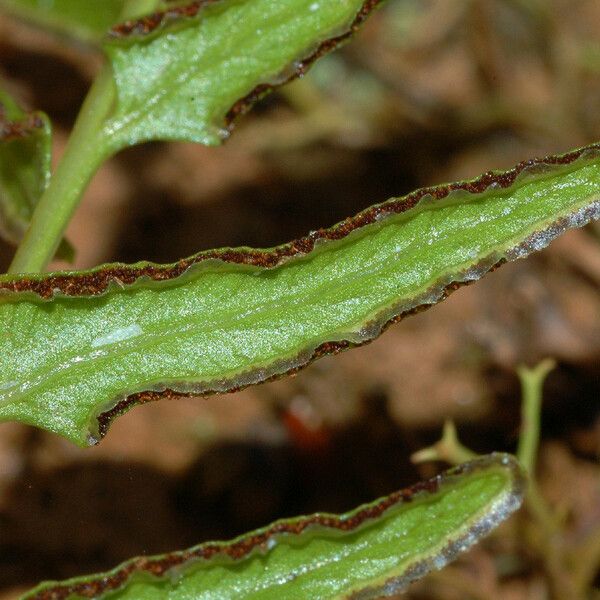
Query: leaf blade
(106, 339)
(187, 72)
(373, 551)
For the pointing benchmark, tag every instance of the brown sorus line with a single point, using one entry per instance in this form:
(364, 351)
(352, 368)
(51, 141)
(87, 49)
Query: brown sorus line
(240, 548)
(13, 130)
(150, 23)
(96, 282)
(244, 104)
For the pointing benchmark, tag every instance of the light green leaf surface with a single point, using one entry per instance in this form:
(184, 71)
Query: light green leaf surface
(84, 19)
(183, 81)
(371, 552)
(80, 348)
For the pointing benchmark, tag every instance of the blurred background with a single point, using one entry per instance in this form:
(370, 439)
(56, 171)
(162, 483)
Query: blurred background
(429, 91)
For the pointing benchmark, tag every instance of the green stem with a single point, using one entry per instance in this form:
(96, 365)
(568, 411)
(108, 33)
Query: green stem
(83, 155)
(532, 381)
(85, 152)
(552, 542)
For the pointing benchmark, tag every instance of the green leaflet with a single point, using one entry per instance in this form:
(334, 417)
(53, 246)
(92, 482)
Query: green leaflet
(25, 154)
(87, 20)
(371, 552)
(80, 348)
(186, 73)
(25, 151)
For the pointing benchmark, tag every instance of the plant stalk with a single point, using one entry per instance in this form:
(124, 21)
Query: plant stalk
(83, 155)
(532, 381)
(86, 150)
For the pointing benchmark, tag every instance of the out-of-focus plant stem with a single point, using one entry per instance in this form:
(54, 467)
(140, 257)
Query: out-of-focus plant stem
(448, 449)
(532, 381)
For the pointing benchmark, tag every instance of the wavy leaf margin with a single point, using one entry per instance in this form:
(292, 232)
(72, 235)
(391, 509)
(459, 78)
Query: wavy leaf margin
(100, 280)
(96, 282)
(171, 568)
